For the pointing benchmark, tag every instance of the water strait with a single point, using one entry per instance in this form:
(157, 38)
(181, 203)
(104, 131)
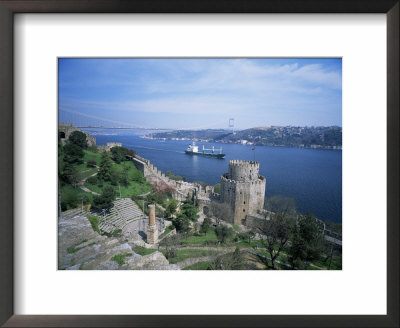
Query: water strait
(312, 177)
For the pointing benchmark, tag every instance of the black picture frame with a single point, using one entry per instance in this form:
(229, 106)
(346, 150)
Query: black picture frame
(10, 7)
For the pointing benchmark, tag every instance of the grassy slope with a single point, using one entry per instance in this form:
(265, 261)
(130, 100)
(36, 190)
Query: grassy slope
(199, 266)
(134, 188)
(184, 254)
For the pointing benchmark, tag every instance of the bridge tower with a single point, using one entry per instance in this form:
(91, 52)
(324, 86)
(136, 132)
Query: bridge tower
(231, 125)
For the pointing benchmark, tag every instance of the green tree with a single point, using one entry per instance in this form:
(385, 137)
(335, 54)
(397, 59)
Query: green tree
(247, 236)
(138, 176)
(105, 199)
(172, 176)
(71, 175)
(171, 208)
(69, 199)
(78, 138)
(118, 154)
(181, 222)
(124, 177)
(217, 188)
(91, 163)
(114, 177)
(223, 233)
(205, 226)
(93, 149)
(131, 153)
(307, 241)
(276, 233)
(73, 154)
(189, 210)
(105, 169)
(170, 244)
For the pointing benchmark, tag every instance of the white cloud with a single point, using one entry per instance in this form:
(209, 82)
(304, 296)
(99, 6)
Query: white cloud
(228, 87)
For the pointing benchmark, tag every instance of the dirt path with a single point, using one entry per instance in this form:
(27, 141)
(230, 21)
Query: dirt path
(82, 185)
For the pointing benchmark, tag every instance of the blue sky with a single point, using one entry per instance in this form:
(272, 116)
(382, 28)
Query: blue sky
(201, 93)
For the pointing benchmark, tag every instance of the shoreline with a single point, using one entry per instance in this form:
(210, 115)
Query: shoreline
(238, 143)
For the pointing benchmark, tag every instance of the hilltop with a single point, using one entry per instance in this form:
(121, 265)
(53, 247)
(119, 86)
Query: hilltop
(290, 136)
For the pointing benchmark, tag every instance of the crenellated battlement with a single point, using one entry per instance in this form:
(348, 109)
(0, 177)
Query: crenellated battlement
(240, 170)
(242, 162)
(225, 178)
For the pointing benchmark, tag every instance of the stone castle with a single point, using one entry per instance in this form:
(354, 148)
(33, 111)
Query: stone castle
(243, 189)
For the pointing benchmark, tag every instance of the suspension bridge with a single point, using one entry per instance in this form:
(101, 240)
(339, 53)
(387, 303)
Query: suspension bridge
(85, 121)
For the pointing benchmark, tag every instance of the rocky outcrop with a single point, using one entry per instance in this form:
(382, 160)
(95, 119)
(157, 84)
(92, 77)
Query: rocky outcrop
(154, 261)
(81, 248)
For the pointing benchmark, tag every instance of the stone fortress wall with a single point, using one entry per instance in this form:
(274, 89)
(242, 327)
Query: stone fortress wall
(65, 130)
(181, 188)
(108, 146)
(243, 188)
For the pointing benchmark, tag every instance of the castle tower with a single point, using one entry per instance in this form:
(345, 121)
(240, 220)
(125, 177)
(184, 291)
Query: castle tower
(243, 189)
(152, 230)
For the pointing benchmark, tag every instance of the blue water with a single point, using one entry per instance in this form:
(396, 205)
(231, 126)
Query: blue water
(313, 177)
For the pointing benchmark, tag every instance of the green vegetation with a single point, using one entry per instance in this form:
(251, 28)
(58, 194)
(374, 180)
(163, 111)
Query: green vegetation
(78, 138)
(105, 199)
(217, 188)
(223, 233)
(118, 154)
(172, 176)
(73, 250)
(120, 258)
(199, 266)
(246, 236)
(201, 183)
(188, 213)
(306, 241)
(171, 208)
(159, 194)
(104, 176)
(143, 250)
(73, 154)
(183, 254)
(166, 231)
(236, 228)
(230, 261)
(287, 237)
(207, 239)
(105, 170)
(205, 226)
(94, 221)
(72, 197)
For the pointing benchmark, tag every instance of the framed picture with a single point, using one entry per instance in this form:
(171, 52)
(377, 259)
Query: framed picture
(48, 58)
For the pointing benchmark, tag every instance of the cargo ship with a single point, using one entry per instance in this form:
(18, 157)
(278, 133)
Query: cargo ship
(194, 150)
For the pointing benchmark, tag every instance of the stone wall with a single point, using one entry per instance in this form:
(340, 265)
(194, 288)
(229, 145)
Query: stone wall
(153, 175)
(65, 130)
(240, 170)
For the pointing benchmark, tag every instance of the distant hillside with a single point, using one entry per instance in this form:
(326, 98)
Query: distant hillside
(290, 136)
